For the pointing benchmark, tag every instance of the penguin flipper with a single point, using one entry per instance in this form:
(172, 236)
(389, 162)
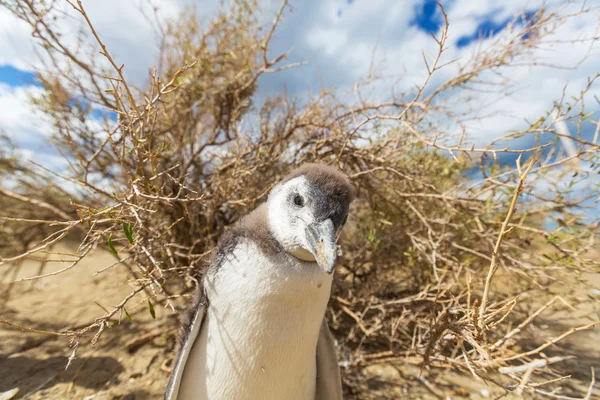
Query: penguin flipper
(329, 381)
(192, 332)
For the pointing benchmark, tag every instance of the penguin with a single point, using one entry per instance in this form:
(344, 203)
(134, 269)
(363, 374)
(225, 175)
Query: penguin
(256, 329)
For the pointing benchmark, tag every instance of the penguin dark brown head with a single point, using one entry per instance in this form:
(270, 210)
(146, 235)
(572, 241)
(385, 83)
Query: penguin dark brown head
(307, 210)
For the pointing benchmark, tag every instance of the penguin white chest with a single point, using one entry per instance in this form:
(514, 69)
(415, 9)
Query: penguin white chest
(260, 334)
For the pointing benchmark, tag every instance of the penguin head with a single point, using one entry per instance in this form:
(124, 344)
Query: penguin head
(307, 210)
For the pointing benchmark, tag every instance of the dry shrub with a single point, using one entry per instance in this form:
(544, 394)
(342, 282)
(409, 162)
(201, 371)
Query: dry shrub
(191, 152)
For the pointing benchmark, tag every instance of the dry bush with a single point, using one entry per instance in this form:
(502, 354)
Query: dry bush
(191, 152)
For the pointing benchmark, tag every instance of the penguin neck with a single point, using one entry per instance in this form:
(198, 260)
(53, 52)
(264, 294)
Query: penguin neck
(276, 290)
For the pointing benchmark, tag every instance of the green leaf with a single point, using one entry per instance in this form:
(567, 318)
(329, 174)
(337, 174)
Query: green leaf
(111, 247)
(127, 315)
(128, 232)
(151, 309)
(100, 210)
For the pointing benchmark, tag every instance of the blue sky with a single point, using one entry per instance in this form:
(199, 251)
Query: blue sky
(337, 38)
(15, 77)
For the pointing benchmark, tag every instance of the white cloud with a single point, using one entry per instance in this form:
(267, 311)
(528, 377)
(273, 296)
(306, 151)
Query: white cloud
(16, 46)
(127, 28)
(26, 127)
(338, 37)
(538, 86)
(18, 118)
(335, 40)
(535, 86)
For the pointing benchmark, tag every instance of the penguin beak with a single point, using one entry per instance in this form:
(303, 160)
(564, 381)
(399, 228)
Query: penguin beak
(321, 239)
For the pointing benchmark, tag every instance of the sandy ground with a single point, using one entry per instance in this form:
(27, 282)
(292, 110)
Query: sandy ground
(35, 363)
(116, 368)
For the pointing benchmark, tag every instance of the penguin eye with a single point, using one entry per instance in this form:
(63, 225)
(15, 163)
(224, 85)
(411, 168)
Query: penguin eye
(298, 200)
